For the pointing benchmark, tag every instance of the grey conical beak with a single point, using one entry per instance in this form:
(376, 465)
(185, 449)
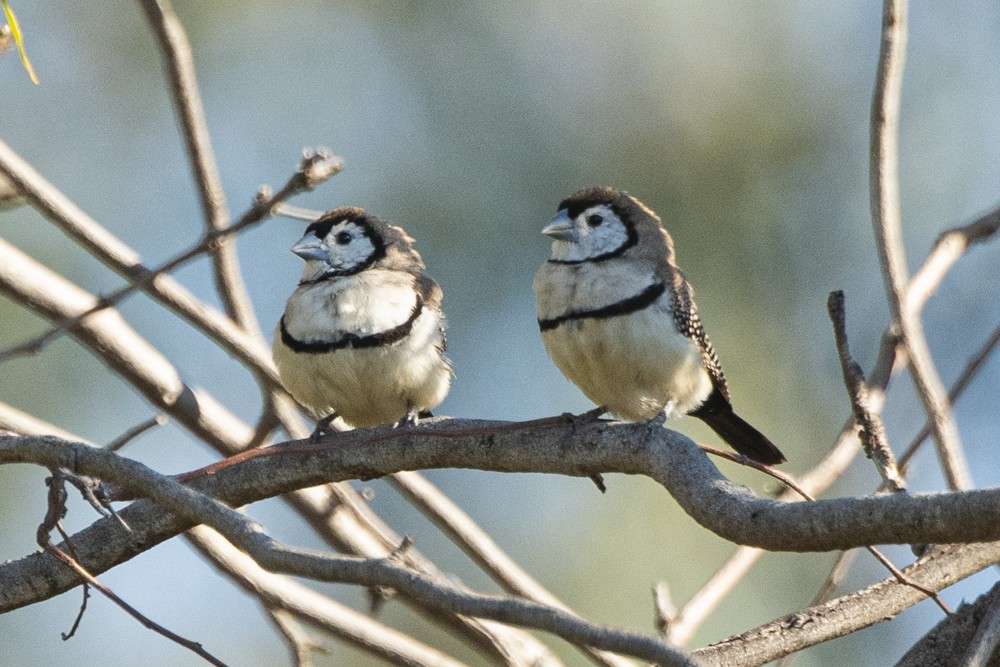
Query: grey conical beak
(309, 247)
(561, 228)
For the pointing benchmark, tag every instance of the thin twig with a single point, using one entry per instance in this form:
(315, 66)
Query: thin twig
(178, 62)
(872, 433)
(984, 643)
(134, 432)
(66, 636)
(480, 547)
(791, 483)
(300, 643)
(286, 210)
(887, 221)
(315, 168)
(666, 610)
(55, 511)
(972, 367)
(947, 250)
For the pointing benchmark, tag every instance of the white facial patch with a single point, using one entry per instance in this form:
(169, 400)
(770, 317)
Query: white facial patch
(596, 231)
(347, 246)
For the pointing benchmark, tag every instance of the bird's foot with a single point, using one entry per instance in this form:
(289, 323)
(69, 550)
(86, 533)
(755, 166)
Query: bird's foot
(412, 418)
(321, 428)
(586, 417)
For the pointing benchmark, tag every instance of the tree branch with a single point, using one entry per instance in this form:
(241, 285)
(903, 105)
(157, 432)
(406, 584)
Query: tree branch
(941, 568)
(723, 507)
(192, 508)
(480, 547)
(280, 592)
(178, 62)
(887, 220)
(872, 432)
(946, 643)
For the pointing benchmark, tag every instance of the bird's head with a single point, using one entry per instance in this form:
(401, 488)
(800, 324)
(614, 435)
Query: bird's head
(593, 225)
(348, 240)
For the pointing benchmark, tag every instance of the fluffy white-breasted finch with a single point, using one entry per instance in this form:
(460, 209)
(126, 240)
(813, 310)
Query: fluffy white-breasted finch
(363, 335)
(619, 320)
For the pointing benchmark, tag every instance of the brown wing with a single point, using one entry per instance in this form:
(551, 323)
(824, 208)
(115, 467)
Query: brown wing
(685, 314)
(656, 246)
(431, 294)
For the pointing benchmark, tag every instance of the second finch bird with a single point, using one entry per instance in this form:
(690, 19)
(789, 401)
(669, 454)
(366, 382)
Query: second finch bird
(619, 320)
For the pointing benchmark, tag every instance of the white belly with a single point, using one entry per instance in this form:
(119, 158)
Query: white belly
(636, 365)
(370, 386)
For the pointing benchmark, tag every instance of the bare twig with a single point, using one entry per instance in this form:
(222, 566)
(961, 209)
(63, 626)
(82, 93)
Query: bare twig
(948, 249)
(872, 434)
(66, 636)
(666, 610)
(134, 432)
(480, 547)
(56, 510)
(12, 419)
(286, 210)
(886, 218)
(281, 593)
(178, 62)
(301, 644)
(972, 367)
(315, 169)
(983, 646)
(10, 197)
(875, 604)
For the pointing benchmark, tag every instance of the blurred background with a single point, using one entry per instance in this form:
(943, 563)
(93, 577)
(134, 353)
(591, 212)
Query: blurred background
(744, 125)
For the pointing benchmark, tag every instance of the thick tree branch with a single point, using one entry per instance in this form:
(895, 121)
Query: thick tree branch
(948, 641)
(727, 509)
(192, 508)
(272, 589)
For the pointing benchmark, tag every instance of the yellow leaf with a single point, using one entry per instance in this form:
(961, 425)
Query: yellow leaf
(16, 32)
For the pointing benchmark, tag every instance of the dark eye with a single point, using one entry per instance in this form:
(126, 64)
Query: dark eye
(594, 219)
(342, 238)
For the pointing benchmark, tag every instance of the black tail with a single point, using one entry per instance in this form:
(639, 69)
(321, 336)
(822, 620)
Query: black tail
(741, 436)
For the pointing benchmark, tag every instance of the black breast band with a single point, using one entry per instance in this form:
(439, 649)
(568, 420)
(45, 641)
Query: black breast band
(387, 337)
(623, 307)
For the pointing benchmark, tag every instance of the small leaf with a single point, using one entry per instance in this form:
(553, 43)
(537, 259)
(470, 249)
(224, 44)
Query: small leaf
(16, 32)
